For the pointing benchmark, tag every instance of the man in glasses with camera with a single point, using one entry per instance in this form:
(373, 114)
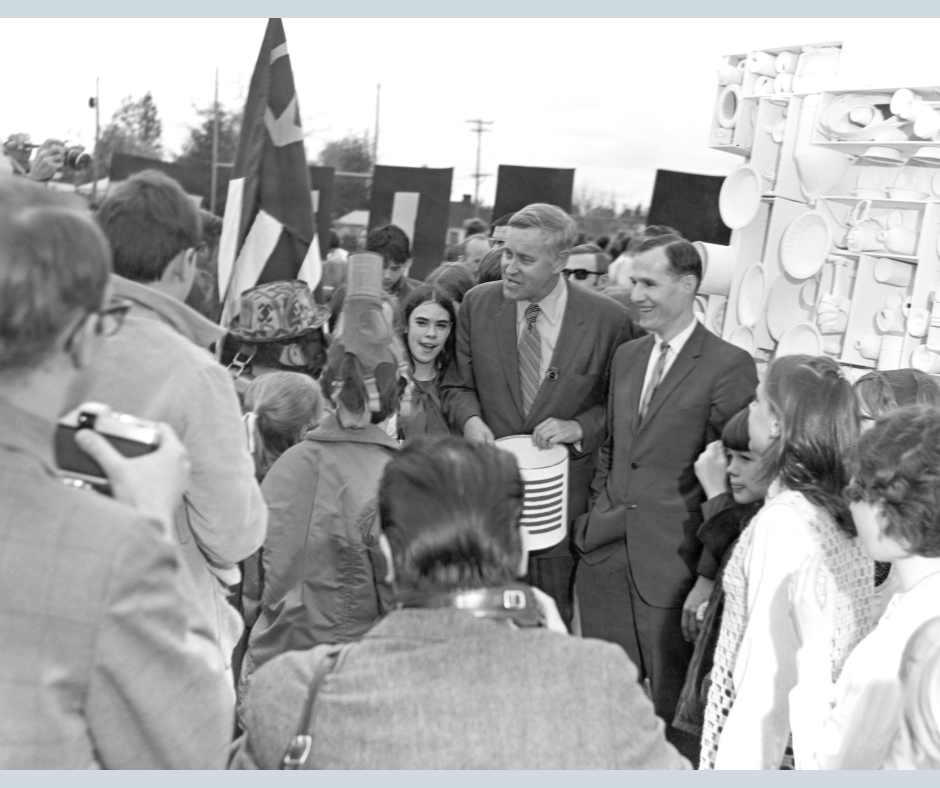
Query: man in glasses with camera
(105, 662)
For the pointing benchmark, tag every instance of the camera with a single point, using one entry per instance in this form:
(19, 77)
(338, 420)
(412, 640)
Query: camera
(76, 158)
(131, 436)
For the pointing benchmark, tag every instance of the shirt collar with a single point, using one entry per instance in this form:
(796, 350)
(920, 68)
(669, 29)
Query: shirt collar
(26, 432)
(552, 306)
(183, 319)
(677, 342)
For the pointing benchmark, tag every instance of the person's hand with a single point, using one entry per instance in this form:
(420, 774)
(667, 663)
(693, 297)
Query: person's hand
(711, 468)
(50, 158)
(701, 592)
(153, 483)
(553, 431)
(476, 431)
(553, 620)
(813, 602)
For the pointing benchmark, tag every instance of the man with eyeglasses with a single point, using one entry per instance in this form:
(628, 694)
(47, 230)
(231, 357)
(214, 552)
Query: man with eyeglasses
(587, 265)
(104, 661)
(158, 367)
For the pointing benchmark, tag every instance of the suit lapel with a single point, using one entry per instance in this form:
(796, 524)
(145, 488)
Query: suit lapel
(685, 362)
(564, 357)
(508, 351)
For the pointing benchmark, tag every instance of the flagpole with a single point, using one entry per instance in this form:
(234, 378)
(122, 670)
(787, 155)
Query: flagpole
(375, 142)
(215, 145)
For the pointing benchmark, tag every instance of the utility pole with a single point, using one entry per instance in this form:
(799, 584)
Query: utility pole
(375, 141)
(478, 176)
(214, 180)
(94, 166)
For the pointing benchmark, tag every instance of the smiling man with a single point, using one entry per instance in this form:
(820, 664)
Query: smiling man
(533, 358)
(671, 395)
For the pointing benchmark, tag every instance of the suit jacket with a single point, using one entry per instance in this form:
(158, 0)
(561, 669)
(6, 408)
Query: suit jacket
(441, 689)
(645, 490)
(483, 379)
(105, 662)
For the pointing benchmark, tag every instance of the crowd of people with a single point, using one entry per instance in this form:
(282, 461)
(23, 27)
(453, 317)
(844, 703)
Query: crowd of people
(300, 547)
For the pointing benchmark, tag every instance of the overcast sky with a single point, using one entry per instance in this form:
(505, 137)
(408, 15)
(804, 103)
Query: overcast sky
(615, 99)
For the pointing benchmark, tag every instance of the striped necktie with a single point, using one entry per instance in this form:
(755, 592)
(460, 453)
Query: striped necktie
(530, 357)
(654, 381)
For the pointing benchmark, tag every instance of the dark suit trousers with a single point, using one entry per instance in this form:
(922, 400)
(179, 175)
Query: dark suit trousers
(612, 610)
(553, 573)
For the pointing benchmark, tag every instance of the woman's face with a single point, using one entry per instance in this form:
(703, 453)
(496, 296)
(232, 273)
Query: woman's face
(744, 476)
(428, 328)
(763, 426)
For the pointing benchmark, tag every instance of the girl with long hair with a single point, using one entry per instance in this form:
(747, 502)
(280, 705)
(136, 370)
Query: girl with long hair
(803, 423)
(430, 320)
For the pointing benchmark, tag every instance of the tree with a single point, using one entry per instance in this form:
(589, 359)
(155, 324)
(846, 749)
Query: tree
(197, 149)
(134, 128)
(353, 153)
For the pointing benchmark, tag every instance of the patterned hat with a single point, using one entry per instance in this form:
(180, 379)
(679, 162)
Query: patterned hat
(277, 311)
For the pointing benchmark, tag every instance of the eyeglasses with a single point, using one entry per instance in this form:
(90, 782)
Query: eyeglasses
(108, 321)
(578, 273)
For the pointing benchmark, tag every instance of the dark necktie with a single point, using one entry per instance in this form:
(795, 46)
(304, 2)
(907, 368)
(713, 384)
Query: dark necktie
(530, 358)
(654, 381)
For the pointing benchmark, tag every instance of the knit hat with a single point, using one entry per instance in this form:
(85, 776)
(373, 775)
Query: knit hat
(277, 311)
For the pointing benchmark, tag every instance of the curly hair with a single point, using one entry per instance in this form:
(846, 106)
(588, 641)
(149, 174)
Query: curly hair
(819, 427)
(897, 464)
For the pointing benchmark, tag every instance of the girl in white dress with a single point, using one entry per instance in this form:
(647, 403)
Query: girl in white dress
(803, 423)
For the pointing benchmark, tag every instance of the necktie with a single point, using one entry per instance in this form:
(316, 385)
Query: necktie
(530, 357)
(654, 381)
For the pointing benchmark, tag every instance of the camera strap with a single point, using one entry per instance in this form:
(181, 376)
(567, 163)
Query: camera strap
(513, 601)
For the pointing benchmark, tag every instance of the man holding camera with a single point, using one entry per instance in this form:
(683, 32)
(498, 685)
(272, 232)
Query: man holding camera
(103, 663)
(159, 368)
(461, 675)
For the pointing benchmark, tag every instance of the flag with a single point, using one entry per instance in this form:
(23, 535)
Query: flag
(268, 232)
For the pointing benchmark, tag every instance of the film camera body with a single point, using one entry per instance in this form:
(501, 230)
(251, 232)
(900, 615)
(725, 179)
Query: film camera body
(131, 436)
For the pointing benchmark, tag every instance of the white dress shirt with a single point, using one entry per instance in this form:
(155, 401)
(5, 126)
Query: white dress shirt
(851, 724)
(675, 346)
(548, 322)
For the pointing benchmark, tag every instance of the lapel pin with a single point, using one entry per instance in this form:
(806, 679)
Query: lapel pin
(552, 373)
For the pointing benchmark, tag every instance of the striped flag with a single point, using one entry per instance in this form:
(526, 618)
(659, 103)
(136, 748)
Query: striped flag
(268, 232)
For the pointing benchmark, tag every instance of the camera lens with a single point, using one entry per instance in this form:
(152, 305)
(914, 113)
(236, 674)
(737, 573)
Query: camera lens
(77, 159)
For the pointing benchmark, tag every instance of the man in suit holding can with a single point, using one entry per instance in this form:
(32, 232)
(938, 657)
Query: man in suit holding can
(533, 357)
(671, 394)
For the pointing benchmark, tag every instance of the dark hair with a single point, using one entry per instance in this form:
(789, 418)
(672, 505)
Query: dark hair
(450, 510)
(391, 242)
(601, 260)
(312, 344)
(881, 391)
(660, 229)
(429, 294)
(897, 464)
(54, 265)
(684, 259)
(735, 435)
(475, 226)
(490, 268)
(345, 368)
(334, 240)
(502, 221)
(603, 241)
(149, 220)
(211, 228)
(818, 428)
(452, 279)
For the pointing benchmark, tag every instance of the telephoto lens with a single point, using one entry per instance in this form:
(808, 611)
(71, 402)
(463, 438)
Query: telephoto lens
(77, 159)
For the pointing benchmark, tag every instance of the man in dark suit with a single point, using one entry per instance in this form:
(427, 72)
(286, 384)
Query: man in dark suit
(671, 394)
(533, 357)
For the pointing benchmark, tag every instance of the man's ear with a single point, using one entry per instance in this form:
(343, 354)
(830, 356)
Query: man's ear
(603, 280)
(562, 260)
(386, 549)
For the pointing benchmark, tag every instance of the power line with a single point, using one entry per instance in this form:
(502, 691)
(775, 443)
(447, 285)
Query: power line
(478, 176)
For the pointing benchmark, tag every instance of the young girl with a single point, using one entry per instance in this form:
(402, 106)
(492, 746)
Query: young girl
(430, 321)
(729, 473)
(803, 423)
(895, 494)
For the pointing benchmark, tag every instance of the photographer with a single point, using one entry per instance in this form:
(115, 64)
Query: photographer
(449, 679)
(49, 159)
(106, 662)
